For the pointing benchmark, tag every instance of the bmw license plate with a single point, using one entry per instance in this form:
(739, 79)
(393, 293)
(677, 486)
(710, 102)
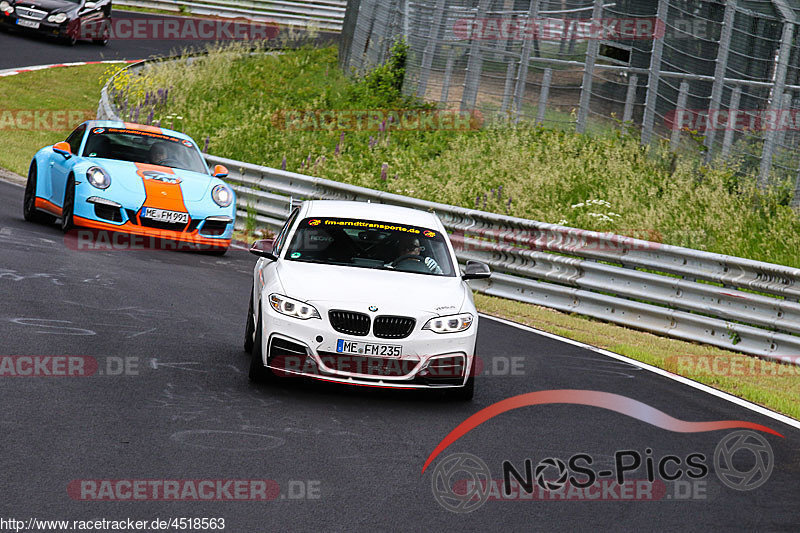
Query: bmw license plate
(367, 348)
(28, 23)
(162, 215)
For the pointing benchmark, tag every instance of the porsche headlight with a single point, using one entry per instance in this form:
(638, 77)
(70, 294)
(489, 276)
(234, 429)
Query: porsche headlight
(449, 323)
(98, 178)
(58, 19)
(291, 307)
(222, 195)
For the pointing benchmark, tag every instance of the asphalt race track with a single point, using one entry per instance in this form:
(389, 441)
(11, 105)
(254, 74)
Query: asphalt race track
(23, 49)
(171, 401)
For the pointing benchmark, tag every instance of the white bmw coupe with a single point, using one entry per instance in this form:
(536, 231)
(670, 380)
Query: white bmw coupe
(363, 294)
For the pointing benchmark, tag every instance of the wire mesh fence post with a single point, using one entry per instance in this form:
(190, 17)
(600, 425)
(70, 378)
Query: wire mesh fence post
(730, 129)
(588, 70)
(796, 195)
(719, 77)
(472, 78)
(349, 27)
(675, 136)
(776, 101)
(508, 88)
(430, 48)
(448, 73)
(363, 28)
(543, 93)
(652, 77)
(630, 99)
(786, 106)
(524, 60)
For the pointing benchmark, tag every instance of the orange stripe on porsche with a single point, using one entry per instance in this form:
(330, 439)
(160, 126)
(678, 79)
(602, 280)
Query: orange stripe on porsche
(48, 206)
(160, 194)
(142, 127)
(150, 232)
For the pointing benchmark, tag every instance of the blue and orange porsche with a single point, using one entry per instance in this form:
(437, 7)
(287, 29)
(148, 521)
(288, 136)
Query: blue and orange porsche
(131, 178)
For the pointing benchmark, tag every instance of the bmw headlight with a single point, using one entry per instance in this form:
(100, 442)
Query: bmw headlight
(222, 195)
(58, 19)
(291, 307)
(98, 178)
(449, 323)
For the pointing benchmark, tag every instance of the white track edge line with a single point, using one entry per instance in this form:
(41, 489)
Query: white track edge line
(661, 372)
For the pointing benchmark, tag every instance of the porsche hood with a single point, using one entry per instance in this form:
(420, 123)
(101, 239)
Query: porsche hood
(170, 183)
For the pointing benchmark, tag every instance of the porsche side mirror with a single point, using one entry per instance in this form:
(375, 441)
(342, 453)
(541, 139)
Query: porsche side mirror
(63, 149)
(220, 172)
(476, 270)
(263, 248)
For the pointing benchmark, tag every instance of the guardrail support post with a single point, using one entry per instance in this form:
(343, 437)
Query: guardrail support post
(588, 71)
(652, 77)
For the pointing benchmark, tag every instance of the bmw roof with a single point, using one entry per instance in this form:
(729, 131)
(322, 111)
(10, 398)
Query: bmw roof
(370, 211)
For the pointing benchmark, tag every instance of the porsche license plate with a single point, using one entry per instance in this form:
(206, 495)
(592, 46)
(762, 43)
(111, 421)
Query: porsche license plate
(162, 215)
(28, 23)
(367, 348)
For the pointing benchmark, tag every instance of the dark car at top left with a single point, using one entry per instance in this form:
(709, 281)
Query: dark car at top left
(66, 20)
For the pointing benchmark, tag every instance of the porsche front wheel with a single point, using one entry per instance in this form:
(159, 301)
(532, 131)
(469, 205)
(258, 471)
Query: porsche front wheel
(67, 222)
(29, 210)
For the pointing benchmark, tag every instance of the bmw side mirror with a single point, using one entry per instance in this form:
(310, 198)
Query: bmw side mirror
(220, 172)
(63, 149)
(476, 270)
(263, 248)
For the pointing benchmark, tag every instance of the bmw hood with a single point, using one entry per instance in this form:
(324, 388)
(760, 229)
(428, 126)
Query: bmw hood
(357, 289)
(136, 177)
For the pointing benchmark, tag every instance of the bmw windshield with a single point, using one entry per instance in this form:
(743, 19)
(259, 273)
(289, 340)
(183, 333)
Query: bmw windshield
(144, 147)
(371, 244)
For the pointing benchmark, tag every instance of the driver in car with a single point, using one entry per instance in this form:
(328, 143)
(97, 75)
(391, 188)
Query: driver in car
(411, 249)
(158, 154)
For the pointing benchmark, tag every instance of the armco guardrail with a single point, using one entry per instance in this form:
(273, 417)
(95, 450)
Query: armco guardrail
(729, 302)
(324, 14)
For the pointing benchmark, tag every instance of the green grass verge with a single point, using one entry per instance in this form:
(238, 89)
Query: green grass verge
(773, 385)
(61, 98)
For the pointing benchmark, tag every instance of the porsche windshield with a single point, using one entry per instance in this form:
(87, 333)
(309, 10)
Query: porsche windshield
(370, 244)
(144, 147)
